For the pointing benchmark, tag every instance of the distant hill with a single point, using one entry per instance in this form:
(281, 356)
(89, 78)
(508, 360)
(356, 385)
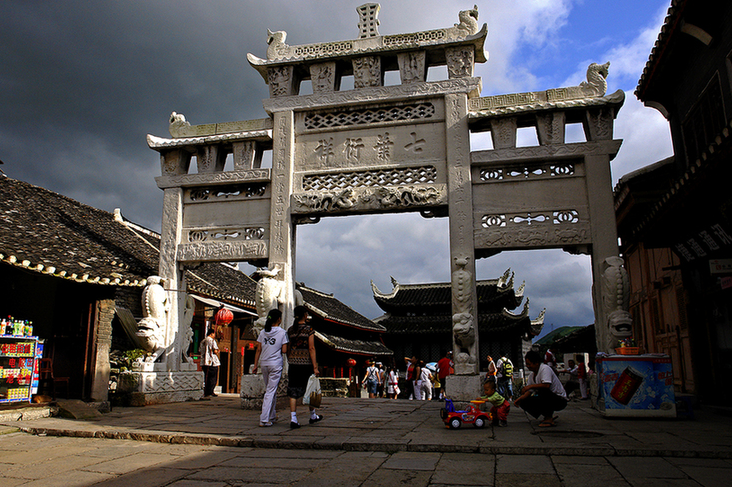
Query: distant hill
(550, 337)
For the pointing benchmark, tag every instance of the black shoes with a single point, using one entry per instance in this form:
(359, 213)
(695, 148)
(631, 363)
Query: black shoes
(318, 418)
(294, 425)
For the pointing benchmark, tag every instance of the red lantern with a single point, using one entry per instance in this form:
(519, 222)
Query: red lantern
(223, 317)
(351, 362)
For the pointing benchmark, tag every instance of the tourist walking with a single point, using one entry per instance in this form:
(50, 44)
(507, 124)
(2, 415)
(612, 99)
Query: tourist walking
(210, 363)
(444, 368)
(582, 376)
(426, 383)
(417, 379)
(380, 390)
(271, 345)
(411, 364)
(492, 369)
(303, 363)
(504, 377)
(392, 383)
(371, 380)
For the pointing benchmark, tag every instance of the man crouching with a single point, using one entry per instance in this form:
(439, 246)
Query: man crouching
(543, 394)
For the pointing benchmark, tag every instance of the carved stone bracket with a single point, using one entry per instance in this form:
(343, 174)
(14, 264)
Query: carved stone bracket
(281, 80)
(367, 72)
(210, 158)
(323, 77)
(503, 132)
(175, 162)
(460, 61)
(550, 128)
(412, 66)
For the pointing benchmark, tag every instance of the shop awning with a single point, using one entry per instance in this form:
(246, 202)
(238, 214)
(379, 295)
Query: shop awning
(216, 304)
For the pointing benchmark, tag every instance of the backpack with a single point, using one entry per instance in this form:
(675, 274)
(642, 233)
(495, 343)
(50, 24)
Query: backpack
(507, 368)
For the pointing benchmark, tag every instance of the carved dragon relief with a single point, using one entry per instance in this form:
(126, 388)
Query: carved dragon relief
(365, 199)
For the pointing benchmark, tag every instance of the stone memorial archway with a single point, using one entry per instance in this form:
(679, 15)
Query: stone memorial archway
(385, 149)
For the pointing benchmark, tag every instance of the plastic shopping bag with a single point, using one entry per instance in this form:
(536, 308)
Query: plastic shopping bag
(313, 395)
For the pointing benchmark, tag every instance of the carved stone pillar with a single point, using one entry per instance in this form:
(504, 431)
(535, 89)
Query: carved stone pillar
(604, 241)
(282, 230)
(412, 66)
(367, 72)
(462, 249)
(170, 237)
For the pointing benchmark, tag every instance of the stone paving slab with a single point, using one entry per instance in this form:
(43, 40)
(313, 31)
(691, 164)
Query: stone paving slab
(383, 425)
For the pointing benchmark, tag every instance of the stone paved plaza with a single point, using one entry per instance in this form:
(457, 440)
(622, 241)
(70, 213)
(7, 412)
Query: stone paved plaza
(362, 442)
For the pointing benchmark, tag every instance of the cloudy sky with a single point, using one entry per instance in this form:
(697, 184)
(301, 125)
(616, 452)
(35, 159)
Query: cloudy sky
(82, 83)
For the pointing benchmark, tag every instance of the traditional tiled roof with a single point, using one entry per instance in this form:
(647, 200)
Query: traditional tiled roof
(46, 232)
(427, 308)
(429, 324)
(360, 347)
(329, 308)
(670, 24)
(494, 294)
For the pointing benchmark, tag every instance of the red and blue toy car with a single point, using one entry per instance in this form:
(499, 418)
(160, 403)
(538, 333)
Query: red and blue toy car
(454, 419)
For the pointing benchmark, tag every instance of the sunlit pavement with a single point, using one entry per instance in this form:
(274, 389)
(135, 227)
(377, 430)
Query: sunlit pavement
(362, 442)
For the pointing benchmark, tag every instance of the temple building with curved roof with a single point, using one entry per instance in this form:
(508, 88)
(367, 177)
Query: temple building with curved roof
(418, 319)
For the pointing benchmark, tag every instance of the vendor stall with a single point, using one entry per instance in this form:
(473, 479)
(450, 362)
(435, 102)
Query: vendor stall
(17, 361)
(636, 385)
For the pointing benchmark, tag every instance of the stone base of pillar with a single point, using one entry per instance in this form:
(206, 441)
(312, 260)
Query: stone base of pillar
(252, 392)
(157, 387)
(463, 388)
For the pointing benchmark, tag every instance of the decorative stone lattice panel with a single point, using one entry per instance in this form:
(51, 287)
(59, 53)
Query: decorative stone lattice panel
(355, 179)
(323, 50)
(228, 192)
(557, 217)
(346, 118)
(415, 38)
(226, 234)
(532, 171)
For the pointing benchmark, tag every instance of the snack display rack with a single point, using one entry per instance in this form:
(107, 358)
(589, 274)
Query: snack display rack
(18, 365)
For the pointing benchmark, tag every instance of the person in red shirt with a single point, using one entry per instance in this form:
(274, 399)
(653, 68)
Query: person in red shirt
(444, 368)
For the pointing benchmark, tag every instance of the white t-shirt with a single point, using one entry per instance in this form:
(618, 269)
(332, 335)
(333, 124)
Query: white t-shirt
(425, 375)
(272, 342)
(208, 355)
(546, 375)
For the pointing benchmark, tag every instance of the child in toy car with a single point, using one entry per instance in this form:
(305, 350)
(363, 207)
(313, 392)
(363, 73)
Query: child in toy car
(454, 419)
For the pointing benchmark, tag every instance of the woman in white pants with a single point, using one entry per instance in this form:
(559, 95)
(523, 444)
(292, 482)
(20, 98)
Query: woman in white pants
(418, 366)
(426, 392)
(271, 345)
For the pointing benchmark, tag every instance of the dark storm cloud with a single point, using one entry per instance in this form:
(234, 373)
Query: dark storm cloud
(82, 83)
